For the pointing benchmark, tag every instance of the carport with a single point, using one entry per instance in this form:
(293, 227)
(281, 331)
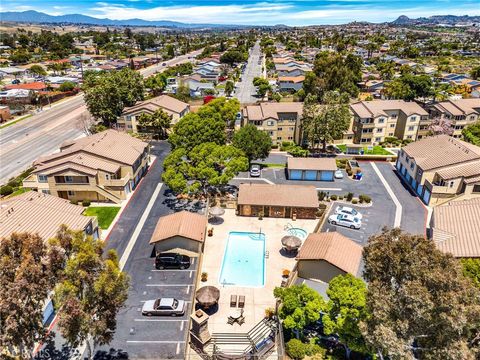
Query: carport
(311, 169)
(182, 233)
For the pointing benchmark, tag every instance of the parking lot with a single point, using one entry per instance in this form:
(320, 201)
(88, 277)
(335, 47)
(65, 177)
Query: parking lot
(381, 213)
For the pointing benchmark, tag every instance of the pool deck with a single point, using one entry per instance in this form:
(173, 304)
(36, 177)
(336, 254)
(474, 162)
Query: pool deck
(257, 299)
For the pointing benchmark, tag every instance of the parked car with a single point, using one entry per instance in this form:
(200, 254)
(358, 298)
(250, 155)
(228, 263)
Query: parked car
(164, 306)
(15, 81)
(345, 220)
(339, 174)
(172, 261)
(164, 64)
(255, 170)
(345, 210)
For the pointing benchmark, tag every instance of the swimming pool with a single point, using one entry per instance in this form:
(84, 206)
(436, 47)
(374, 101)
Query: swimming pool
(298, 232)
(244, 260)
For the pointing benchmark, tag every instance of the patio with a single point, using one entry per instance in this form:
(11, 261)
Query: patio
(257, 299)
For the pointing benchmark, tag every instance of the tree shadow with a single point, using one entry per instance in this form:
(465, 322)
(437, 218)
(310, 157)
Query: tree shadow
(51, 352)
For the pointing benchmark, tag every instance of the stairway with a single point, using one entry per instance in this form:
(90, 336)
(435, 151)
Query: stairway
(102, 191)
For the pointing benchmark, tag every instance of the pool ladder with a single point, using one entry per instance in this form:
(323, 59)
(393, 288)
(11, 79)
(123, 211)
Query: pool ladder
(288, 226)
(267, 254)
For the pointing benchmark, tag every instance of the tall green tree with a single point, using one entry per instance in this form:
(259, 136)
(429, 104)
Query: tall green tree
(226, 108)
(90, 295)
(207, 165)
(256, 144)
(323, 123)
(231, 57)
(156, 84)
(346, 308)
(300, 306)
(229, 87)
(471, 270)
(29, 270)
(107, 94)
(157, 122)
(37, 70)
(418, 299)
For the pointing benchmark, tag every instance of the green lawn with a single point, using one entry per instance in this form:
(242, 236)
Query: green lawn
(104, 214)
(270, 165)
(16, 121)
(377, 150)
(18, 192)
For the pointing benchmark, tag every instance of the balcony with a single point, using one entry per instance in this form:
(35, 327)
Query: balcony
(117, 182)
(439, 188)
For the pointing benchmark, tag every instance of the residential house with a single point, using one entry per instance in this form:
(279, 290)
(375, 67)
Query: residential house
(281, 121)
(290, 83)
(440, 168)
(106, 166)
(326, 255)
(375, 120)
(460, 113)
(173, 107)
(182, 233)
(43, 214)
(281, 201)
(455, 228)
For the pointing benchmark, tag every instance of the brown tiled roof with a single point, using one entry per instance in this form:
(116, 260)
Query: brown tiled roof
(87, 163)
(278, 195)
(374, 108)
(456, 228)
(442, 150)
(294, 79)
(110, 144)
(162, 101)
(334, 248)
(459, 107)
(271, 109)
(39, 213)
(311, 163)
(466, 170)
(185, 223)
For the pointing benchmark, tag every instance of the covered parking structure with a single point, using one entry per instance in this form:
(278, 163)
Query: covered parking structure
(312, 169)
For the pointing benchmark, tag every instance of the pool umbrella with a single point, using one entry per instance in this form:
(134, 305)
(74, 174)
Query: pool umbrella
(207, 296)
(216, 211)
(291, 242)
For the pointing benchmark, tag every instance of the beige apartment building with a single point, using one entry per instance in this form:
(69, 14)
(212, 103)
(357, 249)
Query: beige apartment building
(281, 121)
(375, 120)
(102, 167)
(460, 113)
(173, 107)
(441, 168)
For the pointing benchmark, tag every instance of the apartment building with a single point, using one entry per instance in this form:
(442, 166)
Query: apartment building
(440, 168)
(460, 113)
(280, 120)
(173, 107)
(102, 167)
(373, 121)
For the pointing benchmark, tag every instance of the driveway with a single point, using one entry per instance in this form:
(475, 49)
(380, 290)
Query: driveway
(245, 91)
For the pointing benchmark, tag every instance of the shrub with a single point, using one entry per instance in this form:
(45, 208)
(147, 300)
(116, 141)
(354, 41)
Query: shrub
(341, 163)
(74, 202)
(321, 195)
(6, 190)
(360, 200)
(365, 198)
(349, 172)
(340, 197)
(333, 197)
(86, 203)
(354, 201)
(296, 349)
(349, 196)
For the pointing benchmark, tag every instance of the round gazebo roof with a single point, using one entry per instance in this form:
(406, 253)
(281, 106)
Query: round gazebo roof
(207, 295)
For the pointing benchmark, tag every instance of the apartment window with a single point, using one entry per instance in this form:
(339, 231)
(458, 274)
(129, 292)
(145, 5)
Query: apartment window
(69, 179)
(476, 189)
(365, 140)
(407, 160)
(270, 133)
(365, 131)
(411, 128)
(270, 123)
(392, 125)
(393, 116)
(410, 137)
(107, 176)
(279, 138)
(472, 117)
(42, 178)
(412, 165)
(44, 191)
(458, 127)
(290, 138)
(378, 139)
(129, 118)
(390, 134)
(413, 118)
(381, 120)
(292, 129)
(71, 193)
(379, 130)
(451, 184)
(280, 129)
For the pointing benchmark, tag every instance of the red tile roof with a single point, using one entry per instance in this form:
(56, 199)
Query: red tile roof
(28, 86)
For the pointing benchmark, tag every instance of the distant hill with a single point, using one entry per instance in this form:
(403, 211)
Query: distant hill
(436, 19)
(32, 16)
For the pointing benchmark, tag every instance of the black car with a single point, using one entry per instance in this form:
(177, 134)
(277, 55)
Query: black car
(172, 261)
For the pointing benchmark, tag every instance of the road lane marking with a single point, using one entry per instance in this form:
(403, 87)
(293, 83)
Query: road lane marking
(160, 320)
(255, 179)
(159, 285)
(398, 206)
(139, 227)
(154, 342)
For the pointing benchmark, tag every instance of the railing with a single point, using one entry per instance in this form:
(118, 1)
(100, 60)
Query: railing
(117, 182)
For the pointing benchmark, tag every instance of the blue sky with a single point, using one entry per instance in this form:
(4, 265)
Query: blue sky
(267, 12)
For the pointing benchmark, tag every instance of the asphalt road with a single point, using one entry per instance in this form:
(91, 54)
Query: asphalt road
(41, 134)
(245, 91)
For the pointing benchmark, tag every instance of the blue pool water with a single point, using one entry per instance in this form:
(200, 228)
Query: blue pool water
(298, 232)
(244, 260)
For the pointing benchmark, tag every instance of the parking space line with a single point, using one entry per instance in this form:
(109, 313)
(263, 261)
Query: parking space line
(193, 261)
(177, 351)
(155, 270)
(139, 227)
(329, 189)
(255, 179)
(181, 325)
(159, 320)
(398, 206)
